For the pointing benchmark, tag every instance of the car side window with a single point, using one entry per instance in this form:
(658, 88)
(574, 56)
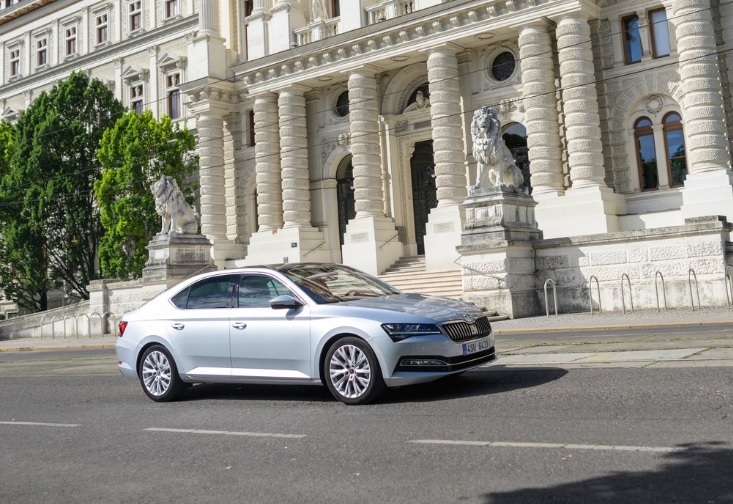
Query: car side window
(256, 291)
(215, 292)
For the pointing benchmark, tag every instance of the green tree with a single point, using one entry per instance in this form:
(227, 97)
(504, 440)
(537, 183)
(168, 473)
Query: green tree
(51, 224)
(135, 153)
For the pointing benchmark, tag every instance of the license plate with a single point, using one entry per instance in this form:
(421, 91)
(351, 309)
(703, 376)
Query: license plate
(476, 346)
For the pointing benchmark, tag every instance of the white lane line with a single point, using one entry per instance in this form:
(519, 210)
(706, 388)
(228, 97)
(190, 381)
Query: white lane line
(41, 424)
(653, 449)
(225, 433)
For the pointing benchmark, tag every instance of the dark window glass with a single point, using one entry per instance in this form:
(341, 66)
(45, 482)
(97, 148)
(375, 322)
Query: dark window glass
(503, 66)
(174, 104)
(646, 154)
(335, 8)
(674, 139)
(210, 293)
(180, 299)
(251, 125)
(256, 291)
(632, 40)
(342, 104)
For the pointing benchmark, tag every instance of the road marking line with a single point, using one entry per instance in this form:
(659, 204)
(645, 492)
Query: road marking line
(42, 424)
(653, 449)
(225, 433)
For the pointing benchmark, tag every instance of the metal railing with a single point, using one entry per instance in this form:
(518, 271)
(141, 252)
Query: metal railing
(623, 297)
(551, 282)
(658, 274)
(690, 275)
(728, 281)
(590, 293)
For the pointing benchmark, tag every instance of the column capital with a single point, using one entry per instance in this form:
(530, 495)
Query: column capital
(298, 89)
(445, 48)
(364, 69)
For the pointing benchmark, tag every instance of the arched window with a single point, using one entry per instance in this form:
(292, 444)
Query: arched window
(646, 154)
(674, 141)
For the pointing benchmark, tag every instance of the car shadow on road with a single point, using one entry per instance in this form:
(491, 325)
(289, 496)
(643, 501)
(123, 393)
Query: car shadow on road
(697, 473)
(481, 382)
(477, 382)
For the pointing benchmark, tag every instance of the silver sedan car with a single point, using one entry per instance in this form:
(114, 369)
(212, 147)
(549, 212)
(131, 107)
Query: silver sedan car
(298, 323)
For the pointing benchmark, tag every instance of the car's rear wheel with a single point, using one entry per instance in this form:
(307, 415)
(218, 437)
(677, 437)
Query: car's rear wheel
(159, 375)
(352, 372)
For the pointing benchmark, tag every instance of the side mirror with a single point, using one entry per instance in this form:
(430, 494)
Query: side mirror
(284, 302)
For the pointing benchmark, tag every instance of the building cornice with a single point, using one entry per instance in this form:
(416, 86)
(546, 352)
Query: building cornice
(413, 34)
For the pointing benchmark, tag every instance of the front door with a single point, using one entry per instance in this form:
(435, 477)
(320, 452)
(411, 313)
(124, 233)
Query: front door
(424, 193)
(345, 192)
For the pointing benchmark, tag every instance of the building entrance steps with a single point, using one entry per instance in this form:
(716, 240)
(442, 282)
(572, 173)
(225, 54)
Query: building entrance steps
(409, 274)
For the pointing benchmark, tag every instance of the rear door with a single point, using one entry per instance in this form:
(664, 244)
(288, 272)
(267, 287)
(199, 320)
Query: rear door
(200, 328)
(265, 342)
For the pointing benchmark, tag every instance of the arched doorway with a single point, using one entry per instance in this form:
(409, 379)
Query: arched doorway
(515, 137)
(424, 195)
(345, 195)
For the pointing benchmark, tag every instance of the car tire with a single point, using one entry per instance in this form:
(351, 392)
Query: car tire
(159, 375)
(351, 371)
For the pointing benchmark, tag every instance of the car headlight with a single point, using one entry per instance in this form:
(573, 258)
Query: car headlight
(399, 332)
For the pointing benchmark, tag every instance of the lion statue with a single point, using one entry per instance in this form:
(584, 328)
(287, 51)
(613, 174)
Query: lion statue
(492, 155)
(177, 215)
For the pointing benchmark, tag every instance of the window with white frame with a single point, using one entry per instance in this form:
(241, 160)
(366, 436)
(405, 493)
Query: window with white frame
(135, 12)
(15, 62)
(173, 94)
(41, 52)
(101, 25)
(171, 8)
(137, 100)
(70, 40)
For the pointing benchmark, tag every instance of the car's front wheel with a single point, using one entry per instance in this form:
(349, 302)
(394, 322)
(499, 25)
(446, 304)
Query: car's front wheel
(352, 372)
(159, 375)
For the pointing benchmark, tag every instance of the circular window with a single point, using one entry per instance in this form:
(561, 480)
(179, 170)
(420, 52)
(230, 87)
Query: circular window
(503, 66)
(342, 104)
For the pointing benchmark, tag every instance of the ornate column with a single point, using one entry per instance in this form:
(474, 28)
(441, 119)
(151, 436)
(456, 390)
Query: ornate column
(210, 127)
(541, 117)
(708, 187)
(267, 159)
(208, 17)
(583, 129)
(443, 229)
(371, 242)
(705, 121)
(365, 149)
(589, 206)
(445, 107)
(294, 158)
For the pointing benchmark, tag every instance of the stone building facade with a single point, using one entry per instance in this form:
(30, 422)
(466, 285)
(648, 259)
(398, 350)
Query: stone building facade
(339, 130)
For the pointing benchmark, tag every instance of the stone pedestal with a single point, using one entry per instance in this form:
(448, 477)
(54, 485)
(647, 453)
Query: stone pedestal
(296, 244)
(371, 244)
(497, 246)
(177, 256)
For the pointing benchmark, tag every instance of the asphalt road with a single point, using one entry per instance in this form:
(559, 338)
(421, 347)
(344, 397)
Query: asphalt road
(73, 430)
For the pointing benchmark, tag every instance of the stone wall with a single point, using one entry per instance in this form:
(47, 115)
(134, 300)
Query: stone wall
(669, 261)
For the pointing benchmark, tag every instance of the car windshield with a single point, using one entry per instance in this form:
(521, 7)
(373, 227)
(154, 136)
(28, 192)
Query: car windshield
(331, 283)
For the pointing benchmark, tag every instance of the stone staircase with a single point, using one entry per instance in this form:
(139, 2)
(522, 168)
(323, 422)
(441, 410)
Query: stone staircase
(408, 274)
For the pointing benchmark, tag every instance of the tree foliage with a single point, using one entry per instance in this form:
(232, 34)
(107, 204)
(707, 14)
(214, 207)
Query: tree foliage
(135, 153)
(50, 222)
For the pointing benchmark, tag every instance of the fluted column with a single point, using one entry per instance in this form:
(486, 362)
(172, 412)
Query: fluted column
(211, 175)
(267, 159)
(294, 159)
(365, 149)
(583, 130)
(445, 115)
(705, 123)
(540, 117)
(208, 17)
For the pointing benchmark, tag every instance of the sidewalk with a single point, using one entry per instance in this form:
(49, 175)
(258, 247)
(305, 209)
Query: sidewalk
(697, 337)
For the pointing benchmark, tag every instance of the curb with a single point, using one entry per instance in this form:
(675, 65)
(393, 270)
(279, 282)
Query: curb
(607, 327)
(51, 348)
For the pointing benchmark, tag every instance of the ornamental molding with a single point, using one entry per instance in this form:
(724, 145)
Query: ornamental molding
(421, 30)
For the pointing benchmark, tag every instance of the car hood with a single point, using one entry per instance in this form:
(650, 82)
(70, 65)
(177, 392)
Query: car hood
(437, 308)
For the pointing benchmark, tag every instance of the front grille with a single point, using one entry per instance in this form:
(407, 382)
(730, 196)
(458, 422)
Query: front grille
(463, 331)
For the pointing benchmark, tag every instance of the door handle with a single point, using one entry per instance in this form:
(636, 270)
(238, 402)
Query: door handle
(178, 326)
(239, 325)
